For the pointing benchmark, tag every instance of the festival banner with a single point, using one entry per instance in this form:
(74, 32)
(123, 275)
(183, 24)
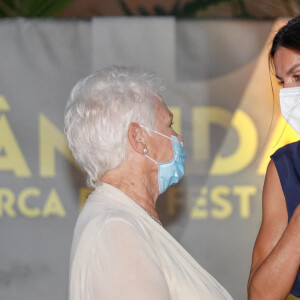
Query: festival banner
(219, 90)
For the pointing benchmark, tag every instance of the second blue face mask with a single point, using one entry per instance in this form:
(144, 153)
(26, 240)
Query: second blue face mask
(169, 173)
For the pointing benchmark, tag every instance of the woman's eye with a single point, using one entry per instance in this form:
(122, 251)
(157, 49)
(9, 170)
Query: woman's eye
(297, 77)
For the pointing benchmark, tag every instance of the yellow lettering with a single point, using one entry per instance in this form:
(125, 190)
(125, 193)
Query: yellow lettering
(4, 106)
(7, 200)
(51, 139)
(247, 137)
(225, 206)
(53, 205)
(259, 99)
(244, 192)
(11, 157)
(203, 118)
(174, 195)
(24, 209)
(198, 211)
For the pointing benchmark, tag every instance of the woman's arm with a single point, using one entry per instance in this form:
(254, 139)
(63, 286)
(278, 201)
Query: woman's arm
(276, 253)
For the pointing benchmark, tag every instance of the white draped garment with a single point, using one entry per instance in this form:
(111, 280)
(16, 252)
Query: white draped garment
(120, 253)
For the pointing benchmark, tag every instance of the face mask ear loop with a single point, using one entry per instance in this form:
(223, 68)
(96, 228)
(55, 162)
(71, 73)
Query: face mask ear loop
(161, 134)
(151, 159)
(156, 132)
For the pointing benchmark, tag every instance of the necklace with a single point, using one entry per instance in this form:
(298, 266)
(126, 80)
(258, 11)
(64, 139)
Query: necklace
(155, 219)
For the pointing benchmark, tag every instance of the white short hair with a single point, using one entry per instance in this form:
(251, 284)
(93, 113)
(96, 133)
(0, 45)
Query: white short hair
(99, 112)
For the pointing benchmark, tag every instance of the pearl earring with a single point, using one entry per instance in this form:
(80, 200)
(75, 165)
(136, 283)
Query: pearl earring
(145, 150)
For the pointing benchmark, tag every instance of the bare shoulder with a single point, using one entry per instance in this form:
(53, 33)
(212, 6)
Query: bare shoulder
(273, 197)
(274, 217)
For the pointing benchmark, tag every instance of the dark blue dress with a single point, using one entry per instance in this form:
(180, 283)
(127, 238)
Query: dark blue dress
(287, 162)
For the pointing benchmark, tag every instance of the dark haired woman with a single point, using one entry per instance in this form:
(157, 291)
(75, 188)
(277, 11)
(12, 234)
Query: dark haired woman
(276, 256)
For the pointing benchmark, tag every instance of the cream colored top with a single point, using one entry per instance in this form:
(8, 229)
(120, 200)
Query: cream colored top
(120, 253)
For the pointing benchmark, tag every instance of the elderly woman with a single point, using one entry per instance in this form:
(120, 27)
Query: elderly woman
(120, 132)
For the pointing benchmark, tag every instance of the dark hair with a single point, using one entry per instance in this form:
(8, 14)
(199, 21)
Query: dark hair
(287, 36)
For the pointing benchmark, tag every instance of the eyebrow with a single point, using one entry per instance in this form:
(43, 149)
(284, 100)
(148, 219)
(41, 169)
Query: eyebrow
(292, 69)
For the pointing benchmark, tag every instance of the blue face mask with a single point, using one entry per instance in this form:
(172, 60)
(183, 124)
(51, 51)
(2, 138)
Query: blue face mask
(169, 173)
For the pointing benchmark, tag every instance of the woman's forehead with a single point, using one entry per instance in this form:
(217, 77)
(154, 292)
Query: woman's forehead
(162, 109)
(285, 59)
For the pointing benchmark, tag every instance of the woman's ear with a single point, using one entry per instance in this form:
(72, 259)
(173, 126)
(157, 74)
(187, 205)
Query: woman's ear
(136, 138)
